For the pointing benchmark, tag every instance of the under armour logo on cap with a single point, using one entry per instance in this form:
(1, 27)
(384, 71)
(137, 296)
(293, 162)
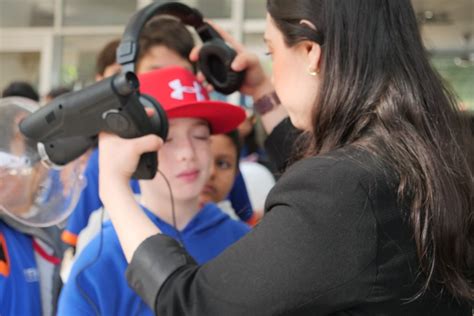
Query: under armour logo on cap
(179, 90)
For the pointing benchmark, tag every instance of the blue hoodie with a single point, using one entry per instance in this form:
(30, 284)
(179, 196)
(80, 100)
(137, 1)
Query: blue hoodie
(97, 284)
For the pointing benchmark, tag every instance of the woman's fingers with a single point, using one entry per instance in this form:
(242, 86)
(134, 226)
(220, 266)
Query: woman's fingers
(243, 61)
(119, 157)
(147, 143)
(149, 111)
(194, 55)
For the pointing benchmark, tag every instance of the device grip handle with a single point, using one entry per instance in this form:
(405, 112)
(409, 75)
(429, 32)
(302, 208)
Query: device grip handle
(64, 150)
(147, 166)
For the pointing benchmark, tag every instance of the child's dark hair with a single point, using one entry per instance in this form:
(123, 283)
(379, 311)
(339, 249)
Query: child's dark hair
(167, 31)
(20, 89)
(107, 56)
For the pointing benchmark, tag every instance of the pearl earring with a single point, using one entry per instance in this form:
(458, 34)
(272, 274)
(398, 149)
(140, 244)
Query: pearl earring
(312, 72)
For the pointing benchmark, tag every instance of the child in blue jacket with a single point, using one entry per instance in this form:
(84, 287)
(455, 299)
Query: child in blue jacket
(32, 197)
(97, 283)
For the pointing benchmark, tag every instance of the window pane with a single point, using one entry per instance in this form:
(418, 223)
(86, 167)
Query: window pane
(79, 55)
(19, 67)
(92, 12)
(255, 9)
(22, 13)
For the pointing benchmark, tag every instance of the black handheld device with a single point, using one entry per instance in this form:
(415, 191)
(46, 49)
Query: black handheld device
(68, 126)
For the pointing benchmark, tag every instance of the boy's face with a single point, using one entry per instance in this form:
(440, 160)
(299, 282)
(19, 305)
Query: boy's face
(17, 186)
(160, 56)
(185, 158)
(18, 191)
(223, 169)
(30, 192)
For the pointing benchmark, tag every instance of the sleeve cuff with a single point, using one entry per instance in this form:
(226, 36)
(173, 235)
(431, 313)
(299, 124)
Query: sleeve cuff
(154, 261)
(280, 144)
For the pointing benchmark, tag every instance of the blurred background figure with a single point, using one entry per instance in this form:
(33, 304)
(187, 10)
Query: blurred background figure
(20, 89)
(239, 194)
(32, 198)
(225, 150)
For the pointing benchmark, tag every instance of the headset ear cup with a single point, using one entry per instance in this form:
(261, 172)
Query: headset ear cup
(234, 81)
(215, 59)
(159, 120)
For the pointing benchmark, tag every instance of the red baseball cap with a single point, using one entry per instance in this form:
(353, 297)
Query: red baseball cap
(181, 95)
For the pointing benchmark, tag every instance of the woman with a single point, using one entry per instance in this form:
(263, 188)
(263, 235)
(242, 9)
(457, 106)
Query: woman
(377, 217)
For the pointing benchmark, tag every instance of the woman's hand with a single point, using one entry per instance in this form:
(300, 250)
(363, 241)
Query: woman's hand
(118, 159)
(256, 82)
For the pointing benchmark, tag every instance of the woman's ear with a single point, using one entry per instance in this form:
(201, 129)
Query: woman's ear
(312, 49)
(314, 57)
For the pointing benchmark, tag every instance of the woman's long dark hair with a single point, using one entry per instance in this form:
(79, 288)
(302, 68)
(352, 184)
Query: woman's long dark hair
(379, 91)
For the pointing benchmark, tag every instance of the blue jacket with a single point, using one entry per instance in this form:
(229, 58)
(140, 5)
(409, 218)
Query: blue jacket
(19, 277)
(97, 281)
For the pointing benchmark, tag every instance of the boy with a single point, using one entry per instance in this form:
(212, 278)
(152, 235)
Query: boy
(164, 41)
(31, 197)
(97, 283)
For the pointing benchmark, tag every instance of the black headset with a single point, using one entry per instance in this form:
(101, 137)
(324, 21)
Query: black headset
(215, 57)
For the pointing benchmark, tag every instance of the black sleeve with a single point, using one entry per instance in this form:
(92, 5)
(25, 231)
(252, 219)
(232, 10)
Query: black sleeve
(153, 268)
(280, 144)
(312, 253)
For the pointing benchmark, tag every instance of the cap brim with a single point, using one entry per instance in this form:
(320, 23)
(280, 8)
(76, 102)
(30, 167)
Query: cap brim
(222, 117)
